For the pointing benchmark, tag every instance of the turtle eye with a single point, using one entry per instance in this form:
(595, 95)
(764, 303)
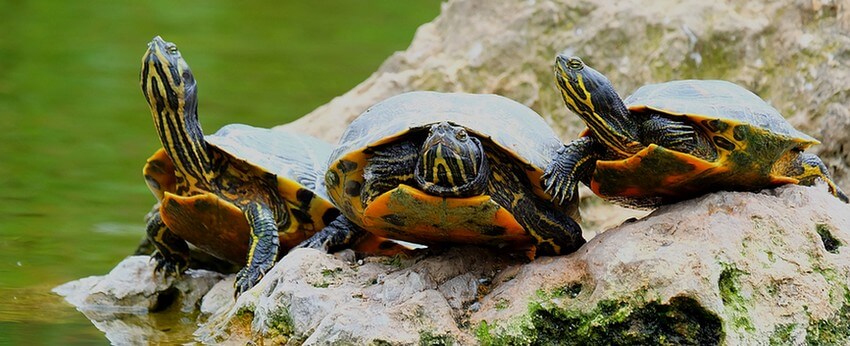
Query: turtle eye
(575, 63)
(171, 48)
(461, 135)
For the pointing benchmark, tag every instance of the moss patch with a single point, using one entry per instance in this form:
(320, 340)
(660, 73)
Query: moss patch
(570, 291)
(279, 325)
(427, 338)
(834, 330)
(829, 242)
(611, 322)
(397, 261)
(730, 293)
(782, 334)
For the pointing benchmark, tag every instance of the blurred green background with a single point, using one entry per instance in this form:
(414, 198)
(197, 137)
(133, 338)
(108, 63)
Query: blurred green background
(75, 129)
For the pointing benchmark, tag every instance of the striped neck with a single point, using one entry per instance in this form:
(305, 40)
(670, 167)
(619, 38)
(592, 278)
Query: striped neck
(591, 96)
(171, 92)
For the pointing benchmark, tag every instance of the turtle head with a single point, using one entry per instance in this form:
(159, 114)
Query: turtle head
(591, 96)
(171, 91)
(451, 162)
(163, 71)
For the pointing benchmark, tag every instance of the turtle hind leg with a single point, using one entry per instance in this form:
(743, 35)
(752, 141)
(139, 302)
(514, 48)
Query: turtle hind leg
(574, 162)
(808, 168)
(554, 231)
(262, 251)
(341, 233)
(172, 253)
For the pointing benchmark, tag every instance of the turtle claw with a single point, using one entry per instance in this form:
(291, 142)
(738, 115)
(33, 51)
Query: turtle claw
(574, 162)
(558, 185)
(247, 278)
(171, 265)
(681, 138)
(670, 134)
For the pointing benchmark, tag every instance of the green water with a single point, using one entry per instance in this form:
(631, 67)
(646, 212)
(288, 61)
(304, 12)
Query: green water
(75, 129)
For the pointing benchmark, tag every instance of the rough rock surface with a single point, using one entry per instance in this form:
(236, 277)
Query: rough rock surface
(733, 267)
(736, 267)
(314, 298)
(794, 54)
(119, 303)
(745, 268)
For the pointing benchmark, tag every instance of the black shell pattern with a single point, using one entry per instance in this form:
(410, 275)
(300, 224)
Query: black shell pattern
(295, 156)
(715, 99)
(509, 124)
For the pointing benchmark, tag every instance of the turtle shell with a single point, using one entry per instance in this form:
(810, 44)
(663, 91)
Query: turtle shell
(407, 213)
(293, 164)
(748, 134)
(299, 158)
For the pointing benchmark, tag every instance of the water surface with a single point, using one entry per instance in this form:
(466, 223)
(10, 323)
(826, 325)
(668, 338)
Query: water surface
(75, 129)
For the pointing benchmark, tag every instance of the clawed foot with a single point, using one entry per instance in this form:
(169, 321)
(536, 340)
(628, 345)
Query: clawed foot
(678, 137)
(558, 179)
(170, 265)
(249, 277)
(318, 241)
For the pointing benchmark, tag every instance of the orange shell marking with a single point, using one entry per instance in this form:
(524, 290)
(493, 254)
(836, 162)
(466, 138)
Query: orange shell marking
(655, 171)
(409, 214)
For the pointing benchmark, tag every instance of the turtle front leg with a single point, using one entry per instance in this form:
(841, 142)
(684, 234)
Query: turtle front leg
(574, 162)
(676, 135)
(388, 167)
(808, 168)
(172, 253)
(263, 248)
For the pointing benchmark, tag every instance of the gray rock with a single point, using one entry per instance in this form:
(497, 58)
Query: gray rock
(132, 286)
(736, 267)
(794, 54)
(730, 267)
(316, 298)
(131, 304)
(460, 290)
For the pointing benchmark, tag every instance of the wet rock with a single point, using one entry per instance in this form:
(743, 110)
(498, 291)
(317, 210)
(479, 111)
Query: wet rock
(132, 305)
(132, 286)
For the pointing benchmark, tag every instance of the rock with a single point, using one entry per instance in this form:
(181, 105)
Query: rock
(730, 267)
(316, 298)
(734, 268)
(795, 55)
(131, 303)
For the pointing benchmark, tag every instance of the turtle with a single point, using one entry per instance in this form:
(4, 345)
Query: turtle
(676, 140)
(438, 168)
(243, 194)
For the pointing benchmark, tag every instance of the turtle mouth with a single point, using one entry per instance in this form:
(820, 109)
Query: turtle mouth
(444, 143)
(157, 41)
(156, 45)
